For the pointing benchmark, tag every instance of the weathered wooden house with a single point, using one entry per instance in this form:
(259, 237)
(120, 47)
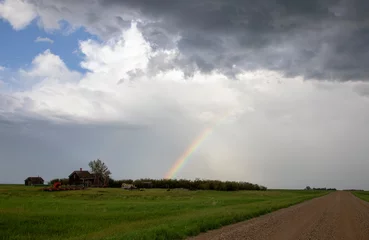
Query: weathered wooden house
(81, 177)
(30, 181)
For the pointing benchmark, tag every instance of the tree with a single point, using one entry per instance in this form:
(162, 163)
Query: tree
(308, 188)
(100, 170)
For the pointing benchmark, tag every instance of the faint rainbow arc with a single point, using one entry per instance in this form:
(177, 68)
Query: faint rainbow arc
(181, 161)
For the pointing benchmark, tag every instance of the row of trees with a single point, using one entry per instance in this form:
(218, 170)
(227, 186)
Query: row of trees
(320, 189)
(353, 190)
(98, 167)
(198, 184)
(179, 183)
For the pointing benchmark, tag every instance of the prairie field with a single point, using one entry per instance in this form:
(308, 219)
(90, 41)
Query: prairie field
(111, 213)
(364, 195)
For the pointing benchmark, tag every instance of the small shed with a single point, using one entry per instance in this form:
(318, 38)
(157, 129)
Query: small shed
(30, 181)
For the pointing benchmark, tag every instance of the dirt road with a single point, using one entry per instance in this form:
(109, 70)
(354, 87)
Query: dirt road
(339, 215)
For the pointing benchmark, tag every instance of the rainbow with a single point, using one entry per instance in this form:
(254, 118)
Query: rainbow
(181, 161)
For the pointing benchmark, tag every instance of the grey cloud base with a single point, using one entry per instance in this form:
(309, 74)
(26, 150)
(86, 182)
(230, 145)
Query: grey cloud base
(317, 39)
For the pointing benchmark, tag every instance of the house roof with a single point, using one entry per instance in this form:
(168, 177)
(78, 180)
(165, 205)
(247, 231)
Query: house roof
(83, 174)
(34, 179)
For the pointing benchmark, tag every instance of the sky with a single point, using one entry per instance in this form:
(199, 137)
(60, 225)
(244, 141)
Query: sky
(136, 82)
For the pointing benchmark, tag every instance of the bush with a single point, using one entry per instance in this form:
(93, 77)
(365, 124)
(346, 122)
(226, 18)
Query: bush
(64, 181)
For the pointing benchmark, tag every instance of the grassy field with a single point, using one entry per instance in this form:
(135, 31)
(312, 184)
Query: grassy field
(364, 195)
(28, 213)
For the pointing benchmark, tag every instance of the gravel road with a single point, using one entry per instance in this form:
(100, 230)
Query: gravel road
(338, 215)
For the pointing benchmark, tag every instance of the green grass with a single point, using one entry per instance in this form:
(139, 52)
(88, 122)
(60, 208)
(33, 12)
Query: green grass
(28, 213)
(364, 195)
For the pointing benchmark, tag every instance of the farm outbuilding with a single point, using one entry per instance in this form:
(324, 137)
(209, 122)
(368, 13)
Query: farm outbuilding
(30, 181)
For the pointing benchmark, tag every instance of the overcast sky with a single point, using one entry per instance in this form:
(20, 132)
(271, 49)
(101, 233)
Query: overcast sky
(134, 82)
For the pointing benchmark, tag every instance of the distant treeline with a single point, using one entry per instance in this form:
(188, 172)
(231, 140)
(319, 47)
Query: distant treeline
(320, 189)
(353, 190)
(198, 184)
(325, 189)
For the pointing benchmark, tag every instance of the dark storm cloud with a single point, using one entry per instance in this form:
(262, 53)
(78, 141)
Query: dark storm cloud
(321, 39)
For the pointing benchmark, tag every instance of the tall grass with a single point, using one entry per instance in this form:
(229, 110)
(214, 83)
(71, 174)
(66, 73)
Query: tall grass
(28, 213)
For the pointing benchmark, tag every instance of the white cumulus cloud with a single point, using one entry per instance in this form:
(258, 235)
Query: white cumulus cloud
(119, 86)
(19, 13)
